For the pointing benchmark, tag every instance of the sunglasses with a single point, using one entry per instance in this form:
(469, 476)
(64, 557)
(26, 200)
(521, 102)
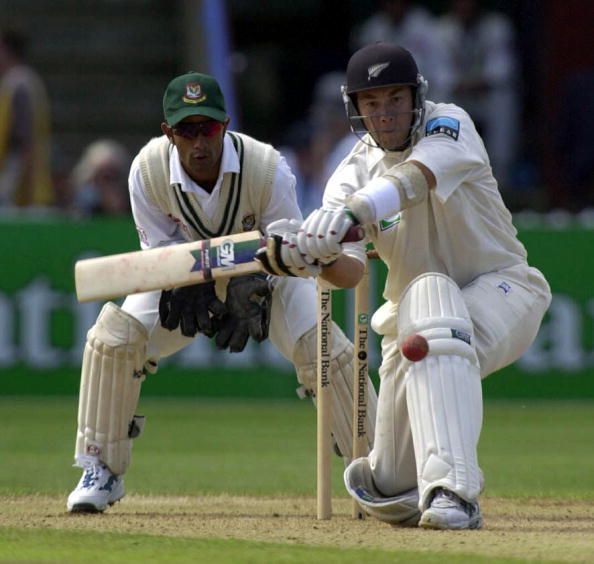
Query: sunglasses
(191, 130)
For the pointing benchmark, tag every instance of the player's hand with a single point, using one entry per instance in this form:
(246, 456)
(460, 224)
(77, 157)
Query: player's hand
(248, 303)
(321, 234)
(190, 307)
(281, 256)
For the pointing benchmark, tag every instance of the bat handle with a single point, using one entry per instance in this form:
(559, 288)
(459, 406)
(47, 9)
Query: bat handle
(354, 234)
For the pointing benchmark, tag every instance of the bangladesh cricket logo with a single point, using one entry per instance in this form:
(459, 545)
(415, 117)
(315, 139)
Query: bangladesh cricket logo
(193, 93)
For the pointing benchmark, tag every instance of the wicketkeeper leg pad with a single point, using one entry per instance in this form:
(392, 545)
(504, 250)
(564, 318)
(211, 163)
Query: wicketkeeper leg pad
(401, 509)
(443, 391)
(304, 359)
(112, 373)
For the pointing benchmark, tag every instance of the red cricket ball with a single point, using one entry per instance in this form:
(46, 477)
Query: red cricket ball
(415, 348)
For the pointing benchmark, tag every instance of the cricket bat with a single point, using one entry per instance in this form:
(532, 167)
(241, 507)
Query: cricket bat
(114, 276)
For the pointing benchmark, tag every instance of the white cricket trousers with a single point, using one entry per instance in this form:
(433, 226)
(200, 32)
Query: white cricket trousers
(506, 309)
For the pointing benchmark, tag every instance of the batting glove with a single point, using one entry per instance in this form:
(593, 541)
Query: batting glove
(322, 232)
(282, 256)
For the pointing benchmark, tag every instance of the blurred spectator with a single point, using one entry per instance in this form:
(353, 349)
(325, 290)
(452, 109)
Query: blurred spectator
(480, 45)
(316, 145)
(297, 148)
(25, 175)
(100, 179)
(405, 23)
(334, 138)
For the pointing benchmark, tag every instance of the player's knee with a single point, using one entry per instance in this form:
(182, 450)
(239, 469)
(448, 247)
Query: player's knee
(432, 306)
(305, 356)
(117, 328)
(401, 509)
(341, 367)
(305, 352)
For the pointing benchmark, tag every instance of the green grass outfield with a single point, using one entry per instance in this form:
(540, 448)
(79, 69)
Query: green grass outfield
(537, 457)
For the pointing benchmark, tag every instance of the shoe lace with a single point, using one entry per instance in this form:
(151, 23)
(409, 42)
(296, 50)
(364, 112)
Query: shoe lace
(91, 475)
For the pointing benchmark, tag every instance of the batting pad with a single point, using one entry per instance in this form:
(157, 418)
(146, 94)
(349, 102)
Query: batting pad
(402, 509)
(342, 368)
(443, 391)
(112, 373)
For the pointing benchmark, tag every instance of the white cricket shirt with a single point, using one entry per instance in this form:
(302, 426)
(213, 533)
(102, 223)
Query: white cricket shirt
(463, 228)
(156, 228)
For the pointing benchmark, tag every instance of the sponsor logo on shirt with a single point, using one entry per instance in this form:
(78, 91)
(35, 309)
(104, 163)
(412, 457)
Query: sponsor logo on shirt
(390, 222)
(446, 125)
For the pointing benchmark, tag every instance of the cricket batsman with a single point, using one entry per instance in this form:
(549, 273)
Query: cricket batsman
(420, 182)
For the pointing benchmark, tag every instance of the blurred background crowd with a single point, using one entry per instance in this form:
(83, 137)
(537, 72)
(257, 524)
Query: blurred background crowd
(81, 83)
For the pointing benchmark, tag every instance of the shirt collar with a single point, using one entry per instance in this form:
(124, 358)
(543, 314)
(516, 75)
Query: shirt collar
(374, 155)
(229, 165)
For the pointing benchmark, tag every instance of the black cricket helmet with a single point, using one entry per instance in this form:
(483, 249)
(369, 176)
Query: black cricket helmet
(382, 64)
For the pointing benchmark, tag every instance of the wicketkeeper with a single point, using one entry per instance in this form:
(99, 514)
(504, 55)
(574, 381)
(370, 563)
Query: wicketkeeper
(198, 181)
(420, 182)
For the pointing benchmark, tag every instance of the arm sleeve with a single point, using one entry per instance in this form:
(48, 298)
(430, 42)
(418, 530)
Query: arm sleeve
(453, 157)
(283, 201)
(155, 228)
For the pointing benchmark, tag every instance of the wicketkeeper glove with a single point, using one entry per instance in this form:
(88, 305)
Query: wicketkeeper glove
(248, 303)
(190, 307)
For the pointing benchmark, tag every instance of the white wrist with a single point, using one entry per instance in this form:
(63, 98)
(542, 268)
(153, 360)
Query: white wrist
(377, 200)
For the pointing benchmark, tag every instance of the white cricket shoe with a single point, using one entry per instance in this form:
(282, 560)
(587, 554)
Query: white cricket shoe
(97, 489)
(449, 511)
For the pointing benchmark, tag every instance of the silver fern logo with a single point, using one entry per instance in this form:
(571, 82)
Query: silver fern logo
(375, 70)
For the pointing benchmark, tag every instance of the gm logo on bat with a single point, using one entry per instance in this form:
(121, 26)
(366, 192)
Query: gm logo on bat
(226, 255)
